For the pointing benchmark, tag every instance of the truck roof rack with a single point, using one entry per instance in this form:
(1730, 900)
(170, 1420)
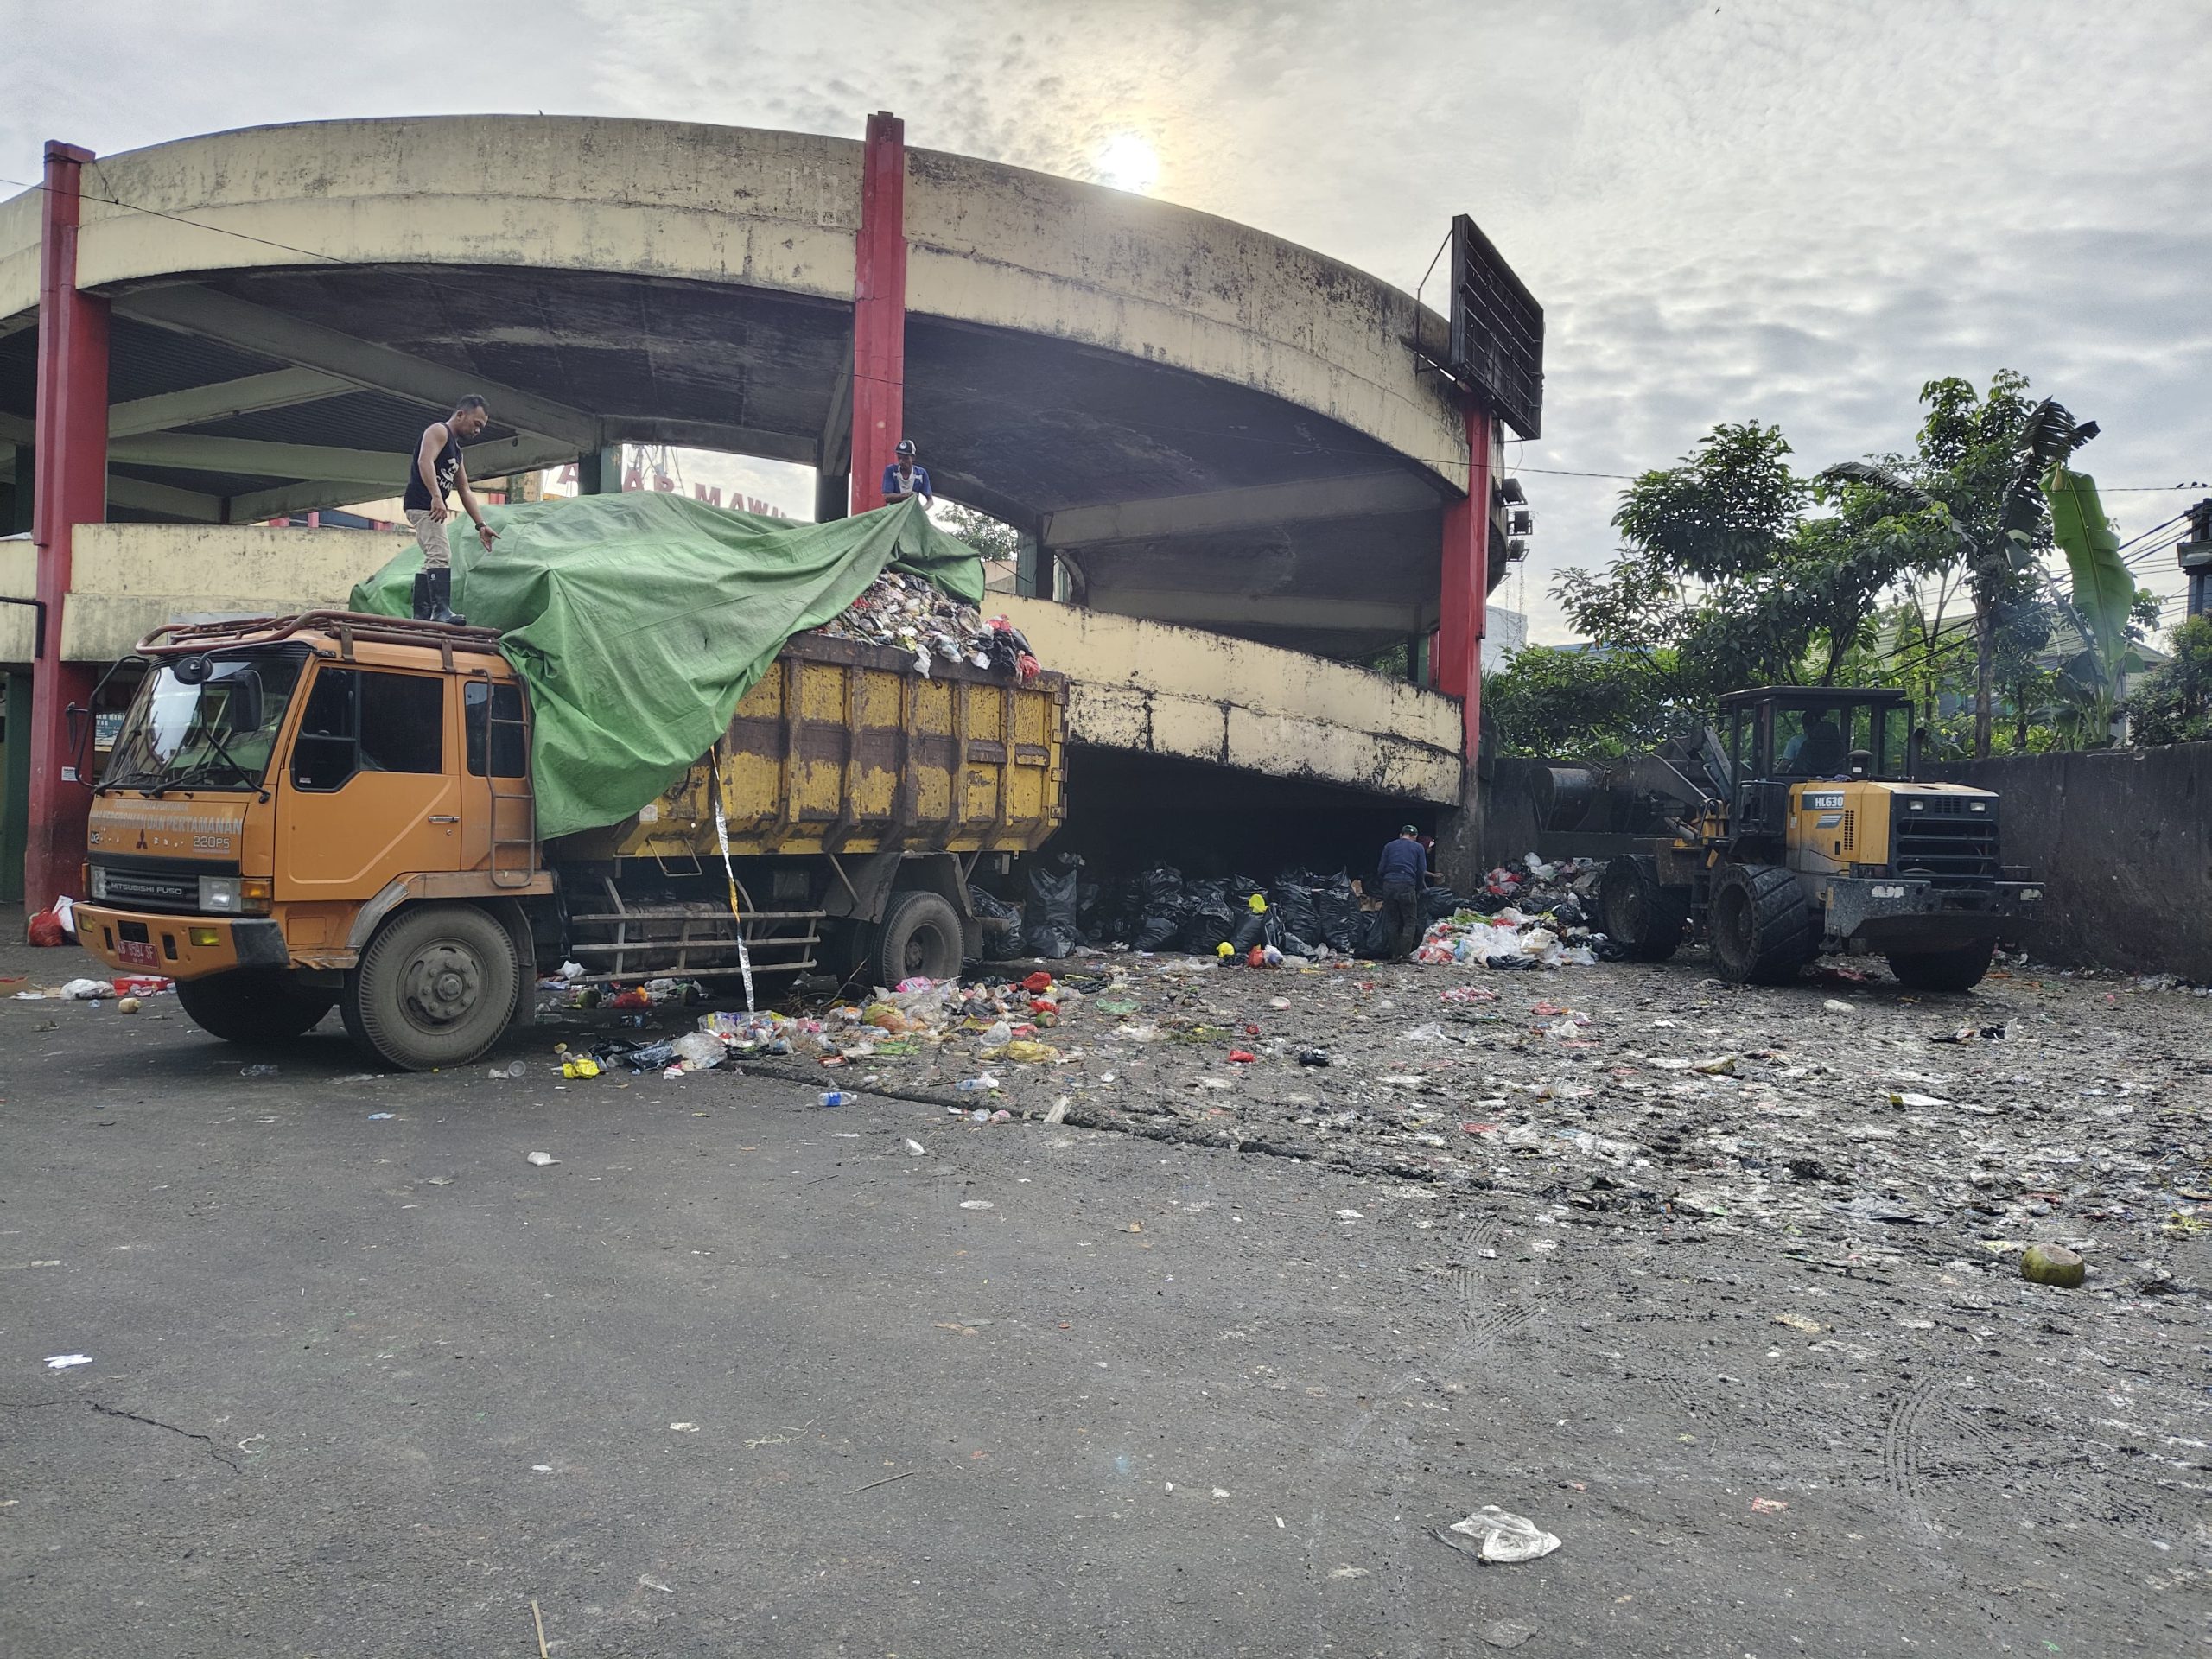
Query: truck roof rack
(179, 638)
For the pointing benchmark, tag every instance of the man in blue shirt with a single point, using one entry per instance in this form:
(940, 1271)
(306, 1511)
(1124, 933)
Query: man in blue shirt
(904, 478)
(1402, 870)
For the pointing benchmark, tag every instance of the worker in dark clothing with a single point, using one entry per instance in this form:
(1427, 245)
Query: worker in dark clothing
(1402, 871)
(437, 471)
(904, 477)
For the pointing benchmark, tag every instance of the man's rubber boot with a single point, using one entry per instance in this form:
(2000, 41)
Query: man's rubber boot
(442, 598)
(422, 596)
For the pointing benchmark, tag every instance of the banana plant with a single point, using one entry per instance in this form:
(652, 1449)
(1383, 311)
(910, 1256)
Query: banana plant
(2098, 609)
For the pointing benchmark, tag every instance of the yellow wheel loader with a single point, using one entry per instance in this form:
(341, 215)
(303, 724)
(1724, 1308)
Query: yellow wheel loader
(1802, 828)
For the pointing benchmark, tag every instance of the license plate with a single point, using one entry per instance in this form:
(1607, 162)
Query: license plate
(138, 950)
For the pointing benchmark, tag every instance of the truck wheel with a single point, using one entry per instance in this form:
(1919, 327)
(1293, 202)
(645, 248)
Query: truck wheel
(918, 938)
(1763, 928)
(1944, 970)
(1645, 919)
(435, 986)
(256, 1007)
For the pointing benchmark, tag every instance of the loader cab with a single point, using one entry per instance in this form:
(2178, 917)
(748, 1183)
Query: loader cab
(1780, 736)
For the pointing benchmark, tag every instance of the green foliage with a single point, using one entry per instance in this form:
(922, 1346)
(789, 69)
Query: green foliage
(2173, 703)
(989, 537)
(1579, 705)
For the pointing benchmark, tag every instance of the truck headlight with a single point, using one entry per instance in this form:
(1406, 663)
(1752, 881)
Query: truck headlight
(220, 892)
(100, 881)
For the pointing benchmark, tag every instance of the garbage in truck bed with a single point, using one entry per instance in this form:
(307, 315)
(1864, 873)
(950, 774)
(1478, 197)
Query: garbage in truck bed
(910, 613)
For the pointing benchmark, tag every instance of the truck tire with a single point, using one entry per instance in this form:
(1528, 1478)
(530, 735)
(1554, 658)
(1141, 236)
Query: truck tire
(436, 986)
(918, 938)
(1944, 970)
(255, 1007)
(1763, 928)
(1645, 919)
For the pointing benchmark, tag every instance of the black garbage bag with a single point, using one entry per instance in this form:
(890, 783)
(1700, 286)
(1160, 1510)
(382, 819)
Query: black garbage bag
(1212, 918)
(1001, 924)
(1161, 907)
(1337, 912)
(1104, 913)
(1438, 902)
(1251, 929)
(1048, 927)
(1375, 937)
(1291, 903)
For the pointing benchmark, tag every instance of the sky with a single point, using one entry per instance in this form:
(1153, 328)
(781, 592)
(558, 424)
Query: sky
(1796, 212)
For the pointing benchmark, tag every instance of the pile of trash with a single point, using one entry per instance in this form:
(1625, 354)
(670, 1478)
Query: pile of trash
(910, 613)
(1537, 916)
(1300, 916)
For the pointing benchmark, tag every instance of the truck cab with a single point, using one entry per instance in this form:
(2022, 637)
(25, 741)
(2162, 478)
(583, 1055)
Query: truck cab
(280, 788)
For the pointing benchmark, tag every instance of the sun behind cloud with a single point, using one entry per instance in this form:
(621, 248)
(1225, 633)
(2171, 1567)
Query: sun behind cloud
(1128, 161)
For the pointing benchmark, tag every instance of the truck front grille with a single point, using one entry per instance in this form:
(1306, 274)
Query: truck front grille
(154, 889)
(1945, 844)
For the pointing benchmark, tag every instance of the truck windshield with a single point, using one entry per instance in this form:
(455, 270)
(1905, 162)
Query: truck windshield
(204, 723)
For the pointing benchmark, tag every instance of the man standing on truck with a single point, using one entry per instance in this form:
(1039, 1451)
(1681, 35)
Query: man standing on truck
(437, 470)
(904, 478)
(1402, 870)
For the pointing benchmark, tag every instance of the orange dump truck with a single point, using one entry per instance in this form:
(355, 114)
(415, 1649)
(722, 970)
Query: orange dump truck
(335, 811)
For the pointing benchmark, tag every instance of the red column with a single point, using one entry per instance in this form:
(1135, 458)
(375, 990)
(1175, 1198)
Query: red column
(879, 309)
(1463, 607)
(69, 487)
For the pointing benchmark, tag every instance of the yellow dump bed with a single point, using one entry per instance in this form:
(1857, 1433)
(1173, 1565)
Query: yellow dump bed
(843, 748)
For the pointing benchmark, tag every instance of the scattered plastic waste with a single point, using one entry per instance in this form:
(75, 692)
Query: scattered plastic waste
(838, 1097)
(976, 1085)
(977, 1203)
(381, 1117)
(258, 1071)
(543, 1160)
(1504, 1537)
(63, 1362)
(127, 1005)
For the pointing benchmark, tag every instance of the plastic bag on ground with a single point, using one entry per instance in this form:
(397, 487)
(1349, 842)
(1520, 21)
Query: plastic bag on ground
(1048, 928)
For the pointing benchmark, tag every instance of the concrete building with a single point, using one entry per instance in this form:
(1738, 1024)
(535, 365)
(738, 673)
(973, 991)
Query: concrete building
(1236, 460)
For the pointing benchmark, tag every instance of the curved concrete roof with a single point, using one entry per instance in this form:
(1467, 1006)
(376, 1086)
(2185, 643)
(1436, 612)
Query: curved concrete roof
(1201, 413)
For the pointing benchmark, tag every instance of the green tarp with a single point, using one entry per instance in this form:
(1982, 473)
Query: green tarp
(637, 620)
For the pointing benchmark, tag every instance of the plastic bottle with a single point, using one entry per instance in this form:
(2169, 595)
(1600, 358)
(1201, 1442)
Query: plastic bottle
(981, 1085)
(838, 1097)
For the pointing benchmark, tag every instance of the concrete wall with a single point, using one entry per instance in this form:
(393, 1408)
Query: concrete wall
(1156, 690)
(2121, 841)
(131, 578)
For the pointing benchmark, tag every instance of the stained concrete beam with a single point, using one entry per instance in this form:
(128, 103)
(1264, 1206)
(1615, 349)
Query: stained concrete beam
(1301, 501)
(1197, 609)
(279, 389)
(188, 308)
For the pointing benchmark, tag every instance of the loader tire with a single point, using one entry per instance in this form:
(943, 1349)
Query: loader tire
(919, 937)
(1645, 919)
(1944, 970)
(436, 986)
(255, 1008)
(1763, 929)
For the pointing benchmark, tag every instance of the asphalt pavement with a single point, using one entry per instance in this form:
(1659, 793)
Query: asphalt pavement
(739, 1374)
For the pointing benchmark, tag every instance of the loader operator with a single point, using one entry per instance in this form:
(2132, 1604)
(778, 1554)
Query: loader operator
(1818, 750)
(436, 472)
(1402, 871)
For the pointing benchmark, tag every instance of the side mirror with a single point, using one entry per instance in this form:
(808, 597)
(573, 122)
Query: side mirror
(241, 712)
(1862, 762)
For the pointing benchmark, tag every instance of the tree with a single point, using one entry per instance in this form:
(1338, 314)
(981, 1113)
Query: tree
(2173, 704)
(993, 540)
(1578, 705)
(1978, 476)
(1728, 580)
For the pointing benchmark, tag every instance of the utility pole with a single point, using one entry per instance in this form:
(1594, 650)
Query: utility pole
(2196, 557)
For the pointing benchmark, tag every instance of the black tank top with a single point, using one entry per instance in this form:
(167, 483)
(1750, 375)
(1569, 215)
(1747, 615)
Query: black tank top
(447, 468)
